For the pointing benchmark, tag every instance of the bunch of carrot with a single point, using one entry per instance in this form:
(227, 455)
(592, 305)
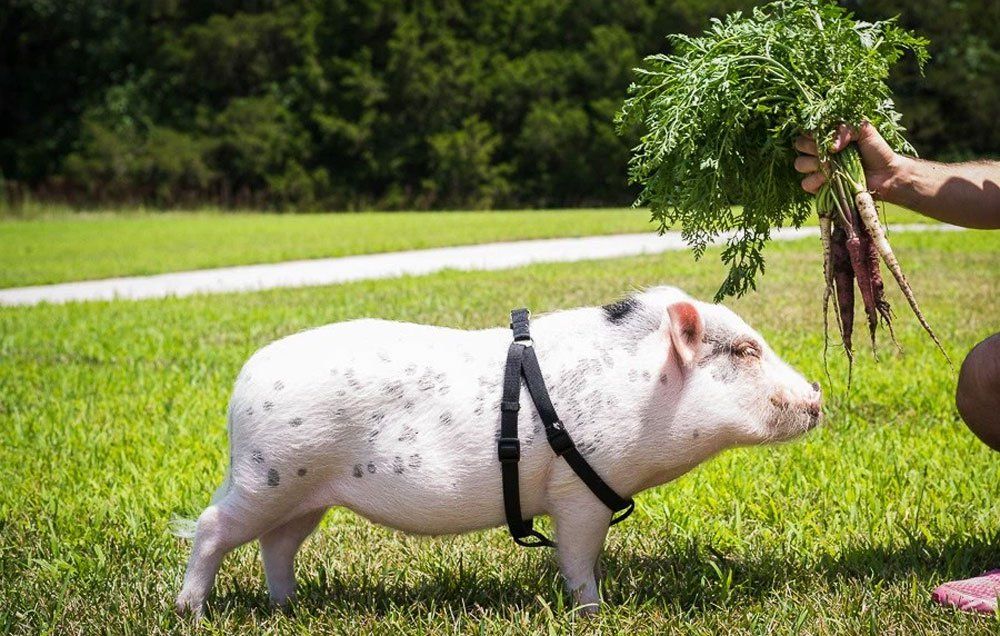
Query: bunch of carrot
(717, 117)
(853, 242)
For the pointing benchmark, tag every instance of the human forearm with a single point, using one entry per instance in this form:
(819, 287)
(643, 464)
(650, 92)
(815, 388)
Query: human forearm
(966, 194)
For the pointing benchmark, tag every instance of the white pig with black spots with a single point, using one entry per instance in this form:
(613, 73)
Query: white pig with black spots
(398, 422)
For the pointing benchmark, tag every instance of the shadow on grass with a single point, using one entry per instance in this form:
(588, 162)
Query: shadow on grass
(693, 578)
(699, 578)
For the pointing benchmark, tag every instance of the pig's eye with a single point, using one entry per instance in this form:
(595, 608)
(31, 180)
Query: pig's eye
(746, 349)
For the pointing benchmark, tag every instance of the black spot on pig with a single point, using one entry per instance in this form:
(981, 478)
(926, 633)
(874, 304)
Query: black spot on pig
(414, 461)
(296, 421)
(358, 472)
(646, 376)
(426, 382)
(696, 434)
(393, 390)
(376, 418)
(257, 456)
(411, 369)
(341, 393)
(383, 356)
(272, 477)
(664, 378)
(397, 465)
(409, 405)
(633, 375)
(249, 411)
(618, 312)
(444, 389)
(446, 418)
(268, 406)
(371, 468)
(408, 434)
(352, 380)
(302, 472)
(721, 345)
(279, 385)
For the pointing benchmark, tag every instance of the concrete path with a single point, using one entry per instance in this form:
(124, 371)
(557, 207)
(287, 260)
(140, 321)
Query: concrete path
(328, 271)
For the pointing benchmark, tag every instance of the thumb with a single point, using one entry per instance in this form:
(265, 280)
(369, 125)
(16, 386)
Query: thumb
(875, 150)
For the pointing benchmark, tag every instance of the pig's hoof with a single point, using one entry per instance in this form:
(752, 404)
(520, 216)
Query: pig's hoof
(283, 603)
(186, 607)
(587, 610)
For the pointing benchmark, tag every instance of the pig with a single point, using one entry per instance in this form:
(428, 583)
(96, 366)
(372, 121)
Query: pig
(398, 422)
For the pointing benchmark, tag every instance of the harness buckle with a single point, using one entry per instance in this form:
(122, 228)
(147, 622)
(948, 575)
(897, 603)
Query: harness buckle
(519, 320)
(509, 450)
(513, 406)
(560, 440)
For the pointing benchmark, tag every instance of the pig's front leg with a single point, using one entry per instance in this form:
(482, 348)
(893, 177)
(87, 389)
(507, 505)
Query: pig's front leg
(581, 527)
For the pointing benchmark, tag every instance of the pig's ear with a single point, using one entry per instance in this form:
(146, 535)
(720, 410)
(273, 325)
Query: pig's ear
(685, 330)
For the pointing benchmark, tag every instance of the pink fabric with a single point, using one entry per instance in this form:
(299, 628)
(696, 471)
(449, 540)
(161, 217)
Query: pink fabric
(977, 594)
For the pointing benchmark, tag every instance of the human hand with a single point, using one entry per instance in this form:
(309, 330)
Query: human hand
(879, 160)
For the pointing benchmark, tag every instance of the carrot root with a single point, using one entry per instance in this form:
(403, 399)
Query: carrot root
(869, 217)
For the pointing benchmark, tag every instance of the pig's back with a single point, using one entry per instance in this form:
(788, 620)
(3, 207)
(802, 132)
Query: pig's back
(363, 369)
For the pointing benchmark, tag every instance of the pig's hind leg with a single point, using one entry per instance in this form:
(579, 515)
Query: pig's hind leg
(222, 527)
(278, 548)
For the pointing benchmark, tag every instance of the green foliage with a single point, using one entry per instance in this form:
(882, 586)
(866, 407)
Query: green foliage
(367, 90)
(463, 168)
(721, 112)
(159, 166)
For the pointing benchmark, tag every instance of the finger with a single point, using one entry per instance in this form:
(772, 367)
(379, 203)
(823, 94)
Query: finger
(841, 139)
(812, 183)
(806, 164)
(806, 145)
(876, 153)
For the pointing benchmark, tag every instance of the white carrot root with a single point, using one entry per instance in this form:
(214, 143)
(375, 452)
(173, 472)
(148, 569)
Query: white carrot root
(869, 216)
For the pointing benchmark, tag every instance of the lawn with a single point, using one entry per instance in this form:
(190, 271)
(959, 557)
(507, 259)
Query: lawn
(79, 247)
(112, 422)
(65, 247)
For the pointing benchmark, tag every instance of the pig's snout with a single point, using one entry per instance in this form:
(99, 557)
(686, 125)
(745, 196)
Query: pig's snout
(796, 411)
(813, 405)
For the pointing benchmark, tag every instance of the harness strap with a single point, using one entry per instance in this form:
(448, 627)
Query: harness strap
(509, 453)
(522, 362)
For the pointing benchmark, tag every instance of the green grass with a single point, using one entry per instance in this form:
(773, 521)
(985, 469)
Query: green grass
(63, 247)
(111, 422)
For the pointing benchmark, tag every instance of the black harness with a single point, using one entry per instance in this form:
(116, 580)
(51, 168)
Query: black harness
(521, 362)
